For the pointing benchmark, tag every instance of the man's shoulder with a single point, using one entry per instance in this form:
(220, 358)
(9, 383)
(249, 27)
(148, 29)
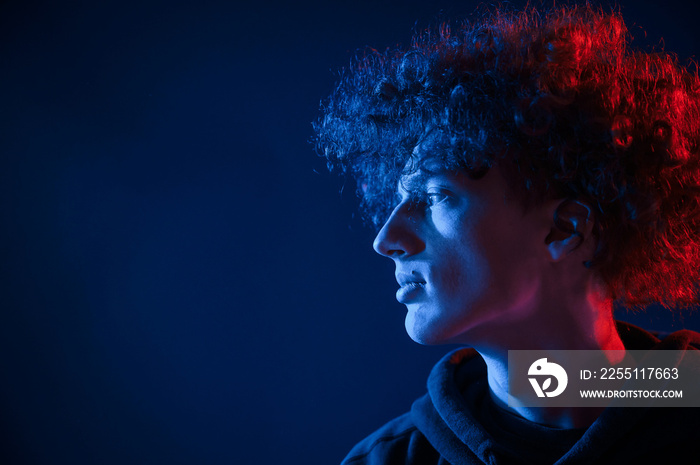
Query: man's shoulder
(397, 442)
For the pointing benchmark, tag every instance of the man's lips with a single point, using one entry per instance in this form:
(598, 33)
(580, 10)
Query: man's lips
(405, 279)
(412, 287)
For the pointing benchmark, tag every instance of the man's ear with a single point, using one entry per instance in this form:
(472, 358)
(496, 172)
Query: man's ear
(572, 223)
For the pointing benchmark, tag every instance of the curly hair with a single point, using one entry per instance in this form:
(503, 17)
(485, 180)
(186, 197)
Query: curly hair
(565, 107)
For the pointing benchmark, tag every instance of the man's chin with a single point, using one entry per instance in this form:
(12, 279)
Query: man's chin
(423, 332)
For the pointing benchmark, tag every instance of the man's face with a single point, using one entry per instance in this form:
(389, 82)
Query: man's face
(467, 256)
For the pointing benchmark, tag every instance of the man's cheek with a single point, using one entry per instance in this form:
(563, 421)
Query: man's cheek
(459, 277)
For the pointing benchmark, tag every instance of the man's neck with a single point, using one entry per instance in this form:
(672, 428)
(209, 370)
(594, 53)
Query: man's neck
(588, 326)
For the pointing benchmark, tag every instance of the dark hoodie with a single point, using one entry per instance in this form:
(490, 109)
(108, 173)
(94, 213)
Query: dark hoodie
(456, 422)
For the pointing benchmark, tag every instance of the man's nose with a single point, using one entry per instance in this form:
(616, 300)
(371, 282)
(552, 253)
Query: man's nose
(399, 236)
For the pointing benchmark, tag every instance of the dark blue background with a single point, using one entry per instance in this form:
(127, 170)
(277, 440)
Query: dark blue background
(182, 281)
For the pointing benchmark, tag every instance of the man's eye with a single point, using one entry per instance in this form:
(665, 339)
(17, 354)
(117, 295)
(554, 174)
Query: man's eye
(435, 198)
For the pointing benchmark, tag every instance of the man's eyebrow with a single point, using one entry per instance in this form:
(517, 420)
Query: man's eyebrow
(419, 179)
(412, 182)
(407, 182)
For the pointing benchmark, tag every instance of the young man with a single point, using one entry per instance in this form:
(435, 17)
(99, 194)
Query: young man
(528, 169)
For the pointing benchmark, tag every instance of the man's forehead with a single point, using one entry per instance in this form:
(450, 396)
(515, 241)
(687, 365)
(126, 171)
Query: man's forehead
(424, 164)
